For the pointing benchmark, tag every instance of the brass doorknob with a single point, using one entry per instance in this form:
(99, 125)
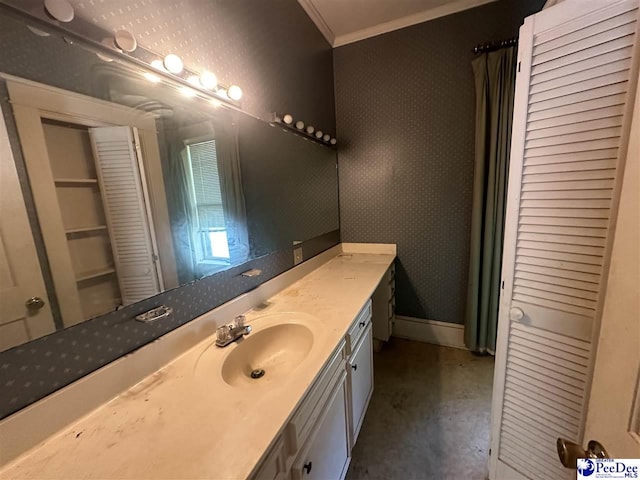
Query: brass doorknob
(34, 303)
(569, 452)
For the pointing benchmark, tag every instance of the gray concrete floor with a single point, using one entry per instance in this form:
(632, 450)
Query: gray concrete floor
(428, 417)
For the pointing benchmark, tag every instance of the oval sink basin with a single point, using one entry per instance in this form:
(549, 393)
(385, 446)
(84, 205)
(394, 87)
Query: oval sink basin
(268, 355)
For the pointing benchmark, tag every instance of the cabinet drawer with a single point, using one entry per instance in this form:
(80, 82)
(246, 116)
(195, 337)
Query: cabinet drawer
(303, 420)
(358, 327)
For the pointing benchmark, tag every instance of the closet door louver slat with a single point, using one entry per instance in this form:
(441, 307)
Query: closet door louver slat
(573, 82)
(577, 126)
(583, 67)
(577, 108)
(126, 211)
(581, 55)
(573, 87)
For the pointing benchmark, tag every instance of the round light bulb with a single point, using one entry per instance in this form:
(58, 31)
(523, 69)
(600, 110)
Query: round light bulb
(299, 124)
(187, 92)
(319, 134)
(109, 42)
(326, 137)
(235, 92)
(153, 78)
(333, 141)
(310, 129)
(35, 11)
(173, 63)
(288, 119)
(158, 65)
(60, 10)
(208, 80)
(221, 92)
(40, 33)
(125, 40)
(193, 80)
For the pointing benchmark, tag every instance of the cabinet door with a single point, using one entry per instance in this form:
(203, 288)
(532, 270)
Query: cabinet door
(326, 456)
(361, 381)
(272, 467)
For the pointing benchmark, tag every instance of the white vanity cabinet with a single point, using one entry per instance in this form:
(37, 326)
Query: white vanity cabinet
(361, 381)
(360, 369)
(383, 307)
(316, 443)
(274, 466)
(327, 454)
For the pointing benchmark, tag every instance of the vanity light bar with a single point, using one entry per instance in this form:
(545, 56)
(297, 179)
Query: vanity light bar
(287, 121)
(207, 81)
(123, 43)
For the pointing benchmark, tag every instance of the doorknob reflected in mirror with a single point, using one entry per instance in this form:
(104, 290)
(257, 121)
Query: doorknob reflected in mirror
(34, 303)
(570, 452)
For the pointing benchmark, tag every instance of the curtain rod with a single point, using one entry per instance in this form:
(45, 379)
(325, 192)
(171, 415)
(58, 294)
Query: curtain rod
(490, 46)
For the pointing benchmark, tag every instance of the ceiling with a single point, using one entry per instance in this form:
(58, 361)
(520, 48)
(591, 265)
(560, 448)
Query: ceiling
(347, 21)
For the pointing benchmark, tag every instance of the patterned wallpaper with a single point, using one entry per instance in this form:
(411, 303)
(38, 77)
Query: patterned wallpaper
(287, 177)
(269, 48)
(405, 117)
(282, 62)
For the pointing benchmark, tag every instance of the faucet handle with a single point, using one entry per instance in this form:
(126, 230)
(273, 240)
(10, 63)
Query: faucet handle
(239, 321)
(222, 333)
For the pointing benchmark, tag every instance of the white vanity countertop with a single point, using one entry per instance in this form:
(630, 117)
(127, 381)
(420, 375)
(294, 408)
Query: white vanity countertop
(181, 423)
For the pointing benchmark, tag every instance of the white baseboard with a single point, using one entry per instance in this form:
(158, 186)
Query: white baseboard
(430, 331)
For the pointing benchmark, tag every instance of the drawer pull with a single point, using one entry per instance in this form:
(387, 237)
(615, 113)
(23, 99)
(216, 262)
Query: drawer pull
(355, 367)
(362, 324)
(307, 467)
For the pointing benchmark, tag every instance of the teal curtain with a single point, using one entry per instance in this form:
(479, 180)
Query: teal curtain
(495, 78)
(180, 197)
(181, 212)
(235, 212)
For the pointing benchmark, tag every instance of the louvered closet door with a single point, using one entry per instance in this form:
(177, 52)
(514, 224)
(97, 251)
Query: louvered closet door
(574, 86)
(128, 215)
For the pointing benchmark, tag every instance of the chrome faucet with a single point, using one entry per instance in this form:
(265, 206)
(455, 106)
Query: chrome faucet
(227, 334)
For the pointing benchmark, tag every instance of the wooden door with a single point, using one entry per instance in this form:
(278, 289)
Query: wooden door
(20, 273)
(577, 71)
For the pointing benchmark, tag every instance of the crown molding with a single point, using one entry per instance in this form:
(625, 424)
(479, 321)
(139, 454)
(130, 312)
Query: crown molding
(313, 13)
(420, 17)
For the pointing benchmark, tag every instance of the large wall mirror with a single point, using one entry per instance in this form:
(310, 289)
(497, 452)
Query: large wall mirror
(117, 187)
